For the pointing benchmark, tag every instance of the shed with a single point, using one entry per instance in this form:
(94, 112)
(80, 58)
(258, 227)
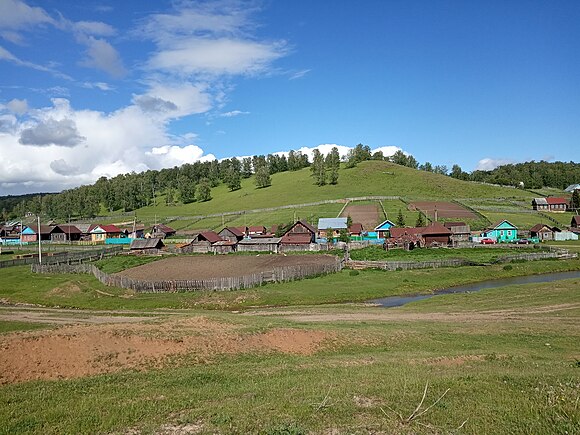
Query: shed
(269, 244)
(223, 247)
(162, 231)
(231, 234)
(436, 234)
(575, 223)
(460, 231)
(145, 245)
(356, 229)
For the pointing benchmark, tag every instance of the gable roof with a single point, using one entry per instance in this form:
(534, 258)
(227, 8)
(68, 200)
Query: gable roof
(538, 227)
(356, 228)
(435, 228)
(384, 225)
(306, 225)
(576, 220)
(260, 241)
(400, 232)
(110, 228)
(210, 236)
(235, 231)
(152, 243)
(296, 239)
(493, 227)
(44, 229)
(572, 187)
(257, 229)
(555, 201)
(541, 201)
(69, 229)
(164, 228)
(332, 223)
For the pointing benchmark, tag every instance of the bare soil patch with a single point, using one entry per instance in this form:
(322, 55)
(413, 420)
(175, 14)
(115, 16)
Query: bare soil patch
(367, 215)
(218, 266)
(77, 351)
(448, 210)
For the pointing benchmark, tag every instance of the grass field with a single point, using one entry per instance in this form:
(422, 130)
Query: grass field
(513, 369)
(483, 255)
(368, 178)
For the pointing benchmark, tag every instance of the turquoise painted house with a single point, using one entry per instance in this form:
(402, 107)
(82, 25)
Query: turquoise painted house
(382, 229)
(503, 232)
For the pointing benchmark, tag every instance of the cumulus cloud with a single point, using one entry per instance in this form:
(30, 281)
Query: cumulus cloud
(52, 132)
(342, 150)
(489, 164)
(169, 156)
(177, 100)
(20, 107)
(154, 104)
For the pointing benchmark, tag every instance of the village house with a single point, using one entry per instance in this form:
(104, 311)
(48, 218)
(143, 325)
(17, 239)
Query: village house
(356, 230)
(100, 233)
(572, 187)
(383, 229)
(257, 230)
(407, 238)
(551, 204)
(575, 223)
(436, 234)
(136, 231)
(298, 237)
(263, 244)
(502, 232)
(162, 231)
(332, 226)
(231, 234)
(65, 233)
(201, 242)
(460, 231)
(147, 246)
(542, 232)
(30, 233)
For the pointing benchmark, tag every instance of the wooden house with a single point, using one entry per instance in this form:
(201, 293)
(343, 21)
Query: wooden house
(267, 244)
(201, 242)
(257, 230)
(575, 223)
(383, 229)
(407, 238)
(30, 233)
(551, 204)
(100, 233)
(436, 234)
(331, 225)
(460, 231)
(542, 232)
(502, 232)
(356, 230)
(223, 247)
(298, 236)
(66, 233)
(162, 231)
(231, 234)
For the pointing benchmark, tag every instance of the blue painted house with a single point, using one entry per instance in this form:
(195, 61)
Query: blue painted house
(383, 229)
(502, 232)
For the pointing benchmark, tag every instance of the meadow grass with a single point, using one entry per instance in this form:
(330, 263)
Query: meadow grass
(480, 255)
(13, 325)
(297, 187)
(19, 285)
(493, 377)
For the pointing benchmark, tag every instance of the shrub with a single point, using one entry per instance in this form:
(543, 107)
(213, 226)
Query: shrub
(508, 267)
(354, 273)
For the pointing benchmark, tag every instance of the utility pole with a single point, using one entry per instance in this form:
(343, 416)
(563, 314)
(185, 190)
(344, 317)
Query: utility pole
(39, 245)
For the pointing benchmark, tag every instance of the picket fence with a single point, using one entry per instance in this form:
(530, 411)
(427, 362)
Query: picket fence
(281, 274)
(64, 257)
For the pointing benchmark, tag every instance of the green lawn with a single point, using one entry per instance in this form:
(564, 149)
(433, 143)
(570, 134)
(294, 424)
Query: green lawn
(483, 376)
(18, 284)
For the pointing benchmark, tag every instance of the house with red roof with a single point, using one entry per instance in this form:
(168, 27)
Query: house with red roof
(298, 236)
(100, 232)
(552, 204)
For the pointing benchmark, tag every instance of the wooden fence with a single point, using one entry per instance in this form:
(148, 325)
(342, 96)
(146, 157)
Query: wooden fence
(280, 274)
(453, 262)
(64, 257)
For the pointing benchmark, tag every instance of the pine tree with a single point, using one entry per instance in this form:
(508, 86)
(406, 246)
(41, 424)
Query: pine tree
(575, 201)
(400, 222)
(420, 220)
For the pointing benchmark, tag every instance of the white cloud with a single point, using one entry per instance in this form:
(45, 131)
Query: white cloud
(102, 55)
(118, 142)
(18, 15)
(217, 56)
(233, 113)
(98, 85)
(489, 164)
(342, 150)
(20, 107)
(8, 56)
(299, 74)
(95, 28)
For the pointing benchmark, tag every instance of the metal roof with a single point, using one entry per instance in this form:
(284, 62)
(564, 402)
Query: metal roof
(572, 187)
(262, 241)
(541, 201)
(332, 223)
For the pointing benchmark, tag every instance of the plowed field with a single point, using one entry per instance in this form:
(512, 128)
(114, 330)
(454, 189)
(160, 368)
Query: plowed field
(219, 266)
(367, 215)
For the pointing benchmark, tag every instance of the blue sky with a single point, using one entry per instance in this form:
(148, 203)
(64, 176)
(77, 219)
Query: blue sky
(99, 88)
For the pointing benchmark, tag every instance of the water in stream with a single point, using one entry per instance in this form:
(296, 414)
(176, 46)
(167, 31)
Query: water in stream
(397, 301)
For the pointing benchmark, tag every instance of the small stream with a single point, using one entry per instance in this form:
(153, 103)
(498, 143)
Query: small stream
(397, 301)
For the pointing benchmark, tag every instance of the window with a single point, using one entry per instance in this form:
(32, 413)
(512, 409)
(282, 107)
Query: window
(509, 233)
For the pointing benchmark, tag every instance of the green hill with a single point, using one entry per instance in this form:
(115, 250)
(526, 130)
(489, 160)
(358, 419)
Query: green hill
(369, 178)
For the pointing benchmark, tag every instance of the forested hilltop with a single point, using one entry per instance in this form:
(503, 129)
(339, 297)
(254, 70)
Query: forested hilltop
(533, 175)
(198, 182)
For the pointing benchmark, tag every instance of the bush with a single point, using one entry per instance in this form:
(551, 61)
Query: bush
(354, 273)
(508, 267)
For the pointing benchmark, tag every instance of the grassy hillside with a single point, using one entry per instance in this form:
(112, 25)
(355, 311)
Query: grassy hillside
(368, 178)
